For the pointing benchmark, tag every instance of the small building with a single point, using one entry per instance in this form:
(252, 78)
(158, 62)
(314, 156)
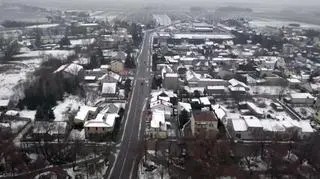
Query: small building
(239, 129)
(204, 123)
(116, 66)
(216, 90)
(205, 101)
(158, 125)
(184, 106)
(254, 126)
(4, 104)
(101, 125)
(109, 89)
(84, 113)
(161, 105)
(301, 99)
(171, 81)
(71, 70)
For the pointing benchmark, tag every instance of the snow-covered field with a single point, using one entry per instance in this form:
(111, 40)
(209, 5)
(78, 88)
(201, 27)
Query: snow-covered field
(13, 74)
(69, 104)
(262, 22)
(61, 54)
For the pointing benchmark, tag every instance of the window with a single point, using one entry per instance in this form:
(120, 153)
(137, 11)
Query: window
(238, 136)
(96, 128)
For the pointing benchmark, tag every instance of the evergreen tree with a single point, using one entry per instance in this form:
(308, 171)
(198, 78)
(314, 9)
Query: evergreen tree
(183, 118)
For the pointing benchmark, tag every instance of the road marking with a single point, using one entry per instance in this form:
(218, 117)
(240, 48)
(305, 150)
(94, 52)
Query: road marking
(131, 171)
(140, 123)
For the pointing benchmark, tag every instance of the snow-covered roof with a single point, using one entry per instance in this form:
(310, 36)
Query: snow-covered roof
(90, 78)
(172, 75)
(4, 102)
(84, 112)
(42, 26)
(219, 110)
(205, 101)
(12, 113)
(255, 108)
(102, 120)
(306, 127)
(109, 88)
(82, 42)
(301, 96)
(158, 120)
(272, 125)
(235, 83)
(294, 80)
(111, 76)
(201, 36)
(73, 69)
(239, 125)
(185, 106)
(163, 92)
(252, 121)
(216, 87)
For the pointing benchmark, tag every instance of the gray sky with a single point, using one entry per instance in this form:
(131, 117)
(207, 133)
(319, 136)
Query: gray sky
(93, 4)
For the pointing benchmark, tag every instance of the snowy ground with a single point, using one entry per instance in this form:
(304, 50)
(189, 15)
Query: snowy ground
(17, 125)
(158, 172)
(61, 54)
(77, 135)
(69, 104)
(27, 114)
(262, 22)
(100, 169)
(15, 73)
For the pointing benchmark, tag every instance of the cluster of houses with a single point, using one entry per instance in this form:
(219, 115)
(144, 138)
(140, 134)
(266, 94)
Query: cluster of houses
(220, 83)
(97, 64)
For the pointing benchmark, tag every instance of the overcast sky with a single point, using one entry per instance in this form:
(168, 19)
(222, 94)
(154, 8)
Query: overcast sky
(73, 4)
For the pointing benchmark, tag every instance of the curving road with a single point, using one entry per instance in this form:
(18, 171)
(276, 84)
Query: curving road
(125, 165)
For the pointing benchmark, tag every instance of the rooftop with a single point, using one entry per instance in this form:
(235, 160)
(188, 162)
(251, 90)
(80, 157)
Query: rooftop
(204, 116)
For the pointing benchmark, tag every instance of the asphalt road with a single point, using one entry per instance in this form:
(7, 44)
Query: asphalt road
(126, 163)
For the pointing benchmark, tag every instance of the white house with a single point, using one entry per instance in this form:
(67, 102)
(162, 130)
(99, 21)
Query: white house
(301, 99)
(161, 105)
(83, 114)
(109, 89)
(158, 125)
(102, 124)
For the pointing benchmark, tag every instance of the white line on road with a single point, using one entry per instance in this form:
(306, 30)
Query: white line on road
(141, 116)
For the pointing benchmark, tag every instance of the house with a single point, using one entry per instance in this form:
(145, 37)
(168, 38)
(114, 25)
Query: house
(71, 70)
(233, 83)
(184, 106)
(239, 129)
(171, 81)
(205, 101)
(254, 126)
(204, 123)
(164, 106)
(219, 111)
(4, 104)
(84, 113)
(109, 89)
(158, 125)
(110, 77)
(301, 99)
(102, 124)
(116, 66)
(216, 90)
